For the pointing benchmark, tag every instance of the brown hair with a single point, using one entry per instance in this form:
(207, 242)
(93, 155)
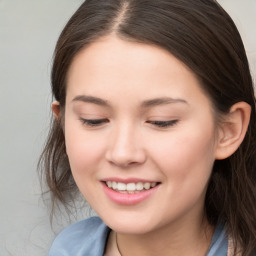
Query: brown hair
(203, 36)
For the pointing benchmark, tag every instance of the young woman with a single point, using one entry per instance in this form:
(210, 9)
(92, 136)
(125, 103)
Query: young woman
(155, 125)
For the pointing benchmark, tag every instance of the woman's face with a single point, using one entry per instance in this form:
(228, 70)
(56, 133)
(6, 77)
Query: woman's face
(140, 135)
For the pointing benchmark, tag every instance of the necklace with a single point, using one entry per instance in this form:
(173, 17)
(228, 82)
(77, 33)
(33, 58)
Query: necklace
(117, 247)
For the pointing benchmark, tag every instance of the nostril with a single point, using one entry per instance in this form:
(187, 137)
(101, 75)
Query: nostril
(124, 164)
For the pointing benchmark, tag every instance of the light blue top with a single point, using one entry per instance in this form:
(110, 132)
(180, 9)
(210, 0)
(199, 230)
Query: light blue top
(88, 238)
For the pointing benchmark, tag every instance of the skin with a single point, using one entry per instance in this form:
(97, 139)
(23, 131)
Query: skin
(126, 77)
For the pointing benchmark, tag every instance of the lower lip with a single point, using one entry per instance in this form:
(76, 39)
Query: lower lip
(128, 198)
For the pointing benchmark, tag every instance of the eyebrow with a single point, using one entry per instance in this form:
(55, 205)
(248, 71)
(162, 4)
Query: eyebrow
(162, 101)
(145, 104)
(91, 99)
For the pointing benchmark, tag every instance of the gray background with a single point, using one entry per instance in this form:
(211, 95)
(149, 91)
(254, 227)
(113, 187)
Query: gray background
(28, 33)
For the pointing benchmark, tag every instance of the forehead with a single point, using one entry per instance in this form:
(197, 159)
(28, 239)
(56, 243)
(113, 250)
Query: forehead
(114, 66)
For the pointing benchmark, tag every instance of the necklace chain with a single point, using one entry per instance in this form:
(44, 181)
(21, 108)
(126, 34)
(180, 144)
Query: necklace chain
(117, 246)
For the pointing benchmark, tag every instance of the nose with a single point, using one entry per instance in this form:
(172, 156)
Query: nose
(125, 148)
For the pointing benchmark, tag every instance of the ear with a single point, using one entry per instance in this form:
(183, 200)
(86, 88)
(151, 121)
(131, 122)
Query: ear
(56, 109)
(232, 131)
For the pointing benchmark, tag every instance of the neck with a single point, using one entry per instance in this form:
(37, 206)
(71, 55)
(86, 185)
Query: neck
(192, 240)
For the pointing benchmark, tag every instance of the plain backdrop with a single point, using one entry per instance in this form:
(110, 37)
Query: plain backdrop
(28, 33)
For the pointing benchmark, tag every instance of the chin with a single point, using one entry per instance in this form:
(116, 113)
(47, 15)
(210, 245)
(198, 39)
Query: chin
(129, 224)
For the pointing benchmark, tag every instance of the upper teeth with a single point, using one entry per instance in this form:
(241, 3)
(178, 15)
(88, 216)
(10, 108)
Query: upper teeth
(130, 186)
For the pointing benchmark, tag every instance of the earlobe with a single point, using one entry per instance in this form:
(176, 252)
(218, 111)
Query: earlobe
(56, 109)
(233, 130)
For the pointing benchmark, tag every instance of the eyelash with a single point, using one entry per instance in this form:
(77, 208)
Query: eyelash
(99, 122)
(163, 124)
(93, 122)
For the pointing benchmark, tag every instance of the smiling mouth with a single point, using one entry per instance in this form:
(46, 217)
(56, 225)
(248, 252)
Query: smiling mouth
(130, 187)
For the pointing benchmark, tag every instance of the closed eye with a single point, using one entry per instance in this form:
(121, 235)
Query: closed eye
(93, 122)
(163, 124)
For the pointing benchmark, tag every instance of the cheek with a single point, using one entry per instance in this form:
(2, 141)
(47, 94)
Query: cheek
(187, 158)
(186, 163)
(84, 149)
(85, 153)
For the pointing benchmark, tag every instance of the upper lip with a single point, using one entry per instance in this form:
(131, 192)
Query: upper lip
(129, 180)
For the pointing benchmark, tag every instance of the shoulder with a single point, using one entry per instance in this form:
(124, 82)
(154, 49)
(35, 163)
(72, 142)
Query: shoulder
(219, 244)
(222, 243)
(86, 237)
